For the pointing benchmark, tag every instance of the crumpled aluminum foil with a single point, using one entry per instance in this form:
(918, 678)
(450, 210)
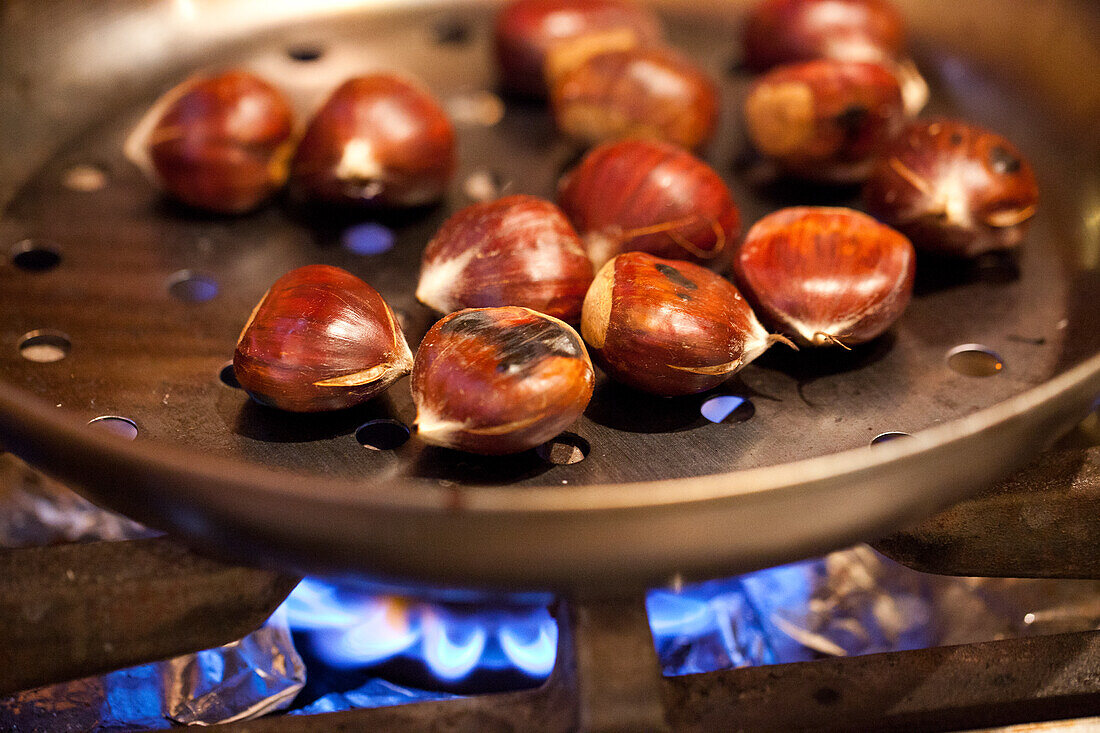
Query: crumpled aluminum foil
(856, 601)
(36, 511)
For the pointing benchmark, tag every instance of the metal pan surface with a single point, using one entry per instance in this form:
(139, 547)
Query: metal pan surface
(117, 280)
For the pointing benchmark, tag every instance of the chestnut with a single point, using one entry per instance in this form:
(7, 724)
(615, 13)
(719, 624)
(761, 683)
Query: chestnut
(518, 250)
(786, 31)
(825, 120)
(669, 327)
(380, 141)
(789, 31)
(650, 196)
(526, 31)
(954, 188)
(219, 143)
(499, 380)
(320, 339)
(826, 276)
(644, 92)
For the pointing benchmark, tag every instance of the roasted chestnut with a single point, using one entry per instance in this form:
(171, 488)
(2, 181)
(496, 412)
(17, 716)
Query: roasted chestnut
(642, 92)
(650, 196)
(518, 250)
(786, 31)
(826, 276)
(499, 380)
(526, 30)
(669, 327)
(320, 339)
(954, 188)
(825, 120)
(789, 31)
(219, 143)
(379, 141)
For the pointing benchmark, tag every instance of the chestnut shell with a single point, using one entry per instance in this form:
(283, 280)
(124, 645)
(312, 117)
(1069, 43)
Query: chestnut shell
(826, 276)
(668, 327)
(527, 30)
(650, 196)
(638, 92)
(379, 141)
(518, 250)
(786, 31)
(499, 380)
(219, 143)
(320, 339)
(954, 188)
(825, 119)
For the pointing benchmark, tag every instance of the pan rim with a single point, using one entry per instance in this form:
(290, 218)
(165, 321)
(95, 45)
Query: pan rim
(23, 415)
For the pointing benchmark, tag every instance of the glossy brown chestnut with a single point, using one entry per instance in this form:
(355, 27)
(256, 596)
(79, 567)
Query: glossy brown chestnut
(640, 92)
(669, 327)
(219, 143)
(379, 141)
(826, 276)
(650, 196)
(320, 339)
(526, 31)
(518, 250)
(825, 120)
(786, 31)
(499, 380)
(954, 188)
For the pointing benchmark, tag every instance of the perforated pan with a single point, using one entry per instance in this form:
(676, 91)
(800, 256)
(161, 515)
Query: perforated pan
(144, 301)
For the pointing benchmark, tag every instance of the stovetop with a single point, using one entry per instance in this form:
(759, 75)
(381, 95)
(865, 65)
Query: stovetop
(74, 610)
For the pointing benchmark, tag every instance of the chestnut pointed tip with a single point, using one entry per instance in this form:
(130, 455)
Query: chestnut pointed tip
(778, 338)
(821, 338)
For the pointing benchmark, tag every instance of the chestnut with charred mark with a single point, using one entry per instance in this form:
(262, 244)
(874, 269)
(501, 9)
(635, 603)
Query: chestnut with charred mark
(219, 143)
(380, 141)
(825, 120)
(518, 250)
(826, 276)
(527, 30)
(954, 188)
(320, 339)
(639, 92)
(787, 31)
(499, 380)
(669, 327)
(650, 196)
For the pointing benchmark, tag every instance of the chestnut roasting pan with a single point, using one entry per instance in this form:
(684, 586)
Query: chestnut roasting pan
(144, 301)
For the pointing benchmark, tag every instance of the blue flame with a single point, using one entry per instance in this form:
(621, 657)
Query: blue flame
(699, 628)
(452, 647)
(532, 647)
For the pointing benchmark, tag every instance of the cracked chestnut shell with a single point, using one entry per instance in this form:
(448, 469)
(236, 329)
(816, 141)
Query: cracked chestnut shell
(650, 196)
(380, 141)
(219, 143)
(518, 250)
(825, 120)
(786, 31)
(499, 380)
(527, 30)
(954, 188)
(669, 327)
(320, 339)
(826, 276)
(637, 92)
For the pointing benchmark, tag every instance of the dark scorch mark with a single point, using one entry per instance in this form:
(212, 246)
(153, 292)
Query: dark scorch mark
(676, 277)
